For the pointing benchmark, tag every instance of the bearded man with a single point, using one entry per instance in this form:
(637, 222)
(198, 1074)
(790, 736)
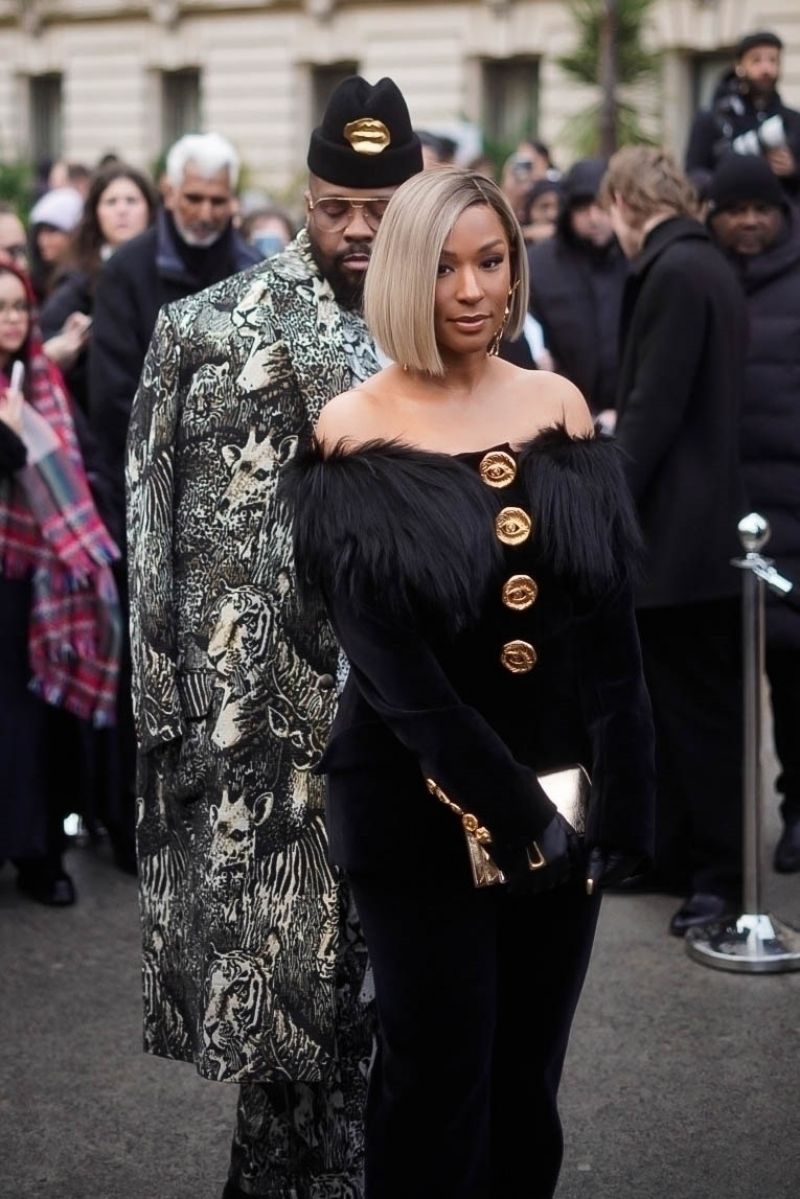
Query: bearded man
(254, 965)
(748, 116)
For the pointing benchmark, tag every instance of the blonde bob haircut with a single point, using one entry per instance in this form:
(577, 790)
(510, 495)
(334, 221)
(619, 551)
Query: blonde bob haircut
(400, 288)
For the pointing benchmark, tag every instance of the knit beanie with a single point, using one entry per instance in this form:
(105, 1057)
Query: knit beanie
(742, 177)
(365, 138)
(762, 38)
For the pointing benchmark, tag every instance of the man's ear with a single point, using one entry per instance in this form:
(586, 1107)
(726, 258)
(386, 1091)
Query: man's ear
(169, 195)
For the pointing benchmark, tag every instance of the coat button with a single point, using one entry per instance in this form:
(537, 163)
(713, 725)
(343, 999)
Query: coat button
(497, 469)
(326, 682)
(519, 592)
(518, 657)
(513, 526)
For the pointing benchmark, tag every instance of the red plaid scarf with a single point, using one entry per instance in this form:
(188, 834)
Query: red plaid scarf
(50, 532)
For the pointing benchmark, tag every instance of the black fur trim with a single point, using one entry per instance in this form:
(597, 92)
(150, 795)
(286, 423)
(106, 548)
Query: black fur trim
(585, 523)
(412, 531)
(387, 524)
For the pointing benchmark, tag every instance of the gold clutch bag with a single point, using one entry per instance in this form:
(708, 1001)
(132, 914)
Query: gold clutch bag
(569, 791)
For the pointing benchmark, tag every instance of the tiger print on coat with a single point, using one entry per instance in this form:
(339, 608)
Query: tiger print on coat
(250, 971)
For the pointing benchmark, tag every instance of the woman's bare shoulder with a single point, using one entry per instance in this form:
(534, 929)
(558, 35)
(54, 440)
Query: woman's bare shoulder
(352, 417)
(564, 401)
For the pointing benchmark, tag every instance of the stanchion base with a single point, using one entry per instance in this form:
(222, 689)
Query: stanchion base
(753, 944)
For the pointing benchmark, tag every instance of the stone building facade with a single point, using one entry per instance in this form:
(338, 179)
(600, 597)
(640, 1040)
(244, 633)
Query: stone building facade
(82, 77)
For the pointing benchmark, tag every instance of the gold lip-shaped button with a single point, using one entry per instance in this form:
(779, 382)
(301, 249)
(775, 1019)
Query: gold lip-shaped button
(518, 656)
(520, 592)
(513, 526)
(497, 469)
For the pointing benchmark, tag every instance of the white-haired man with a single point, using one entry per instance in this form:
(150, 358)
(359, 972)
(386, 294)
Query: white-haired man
(191, 245)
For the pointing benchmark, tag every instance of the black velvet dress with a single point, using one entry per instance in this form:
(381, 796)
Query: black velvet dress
(484, 604)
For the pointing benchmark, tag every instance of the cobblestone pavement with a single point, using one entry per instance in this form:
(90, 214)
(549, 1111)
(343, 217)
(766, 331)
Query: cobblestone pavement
(682, 1082)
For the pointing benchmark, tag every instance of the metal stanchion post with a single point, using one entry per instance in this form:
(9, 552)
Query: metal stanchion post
(757, 942)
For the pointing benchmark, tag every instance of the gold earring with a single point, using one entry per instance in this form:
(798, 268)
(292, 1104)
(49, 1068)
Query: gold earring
(493, 347)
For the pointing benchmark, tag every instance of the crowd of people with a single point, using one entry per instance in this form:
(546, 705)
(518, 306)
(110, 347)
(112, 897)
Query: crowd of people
(254, 631)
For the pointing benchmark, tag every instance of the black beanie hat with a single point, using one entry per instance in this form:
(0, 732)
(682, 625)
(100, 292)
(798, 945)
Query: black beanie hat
(365, 138)
(741, 177)
(763, 38)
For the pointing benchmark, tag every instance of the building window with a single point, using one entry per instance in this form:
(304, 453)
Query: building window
(323, 81)
(45, 116)
(707, 71)
(180, 104)
(510, 100)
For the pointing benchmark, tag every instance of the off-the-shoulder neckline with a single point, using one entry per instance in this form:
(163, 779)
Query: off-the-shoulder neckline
(396, 444)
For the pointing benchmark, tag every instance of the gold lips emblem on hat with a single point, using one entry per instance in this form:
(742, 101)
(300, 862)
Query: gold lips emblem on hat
(367, 135)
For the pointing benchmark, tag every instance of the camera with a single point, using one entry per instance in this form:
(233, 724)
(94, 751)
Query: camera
(771, 135)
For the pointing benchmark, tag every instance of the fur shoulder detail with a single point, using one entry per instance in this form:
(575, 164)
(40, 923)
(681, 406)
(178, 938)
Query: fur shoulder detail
(408, 531)
(586, 525)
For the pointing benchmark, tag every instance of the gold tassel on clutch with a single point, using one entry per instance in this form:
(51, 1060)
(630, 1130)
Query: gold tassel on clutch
(568, 789)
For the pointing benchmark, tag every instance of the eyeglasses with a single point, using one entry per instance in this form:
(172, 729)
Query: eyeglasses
(19, 308)
(15, 253)
(334, 213)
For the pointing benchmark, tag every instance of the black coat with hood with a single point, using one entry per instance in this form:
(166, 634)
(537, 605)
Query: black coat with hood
(771, 410)
(732, 113)
(576, 295)
(683, 343)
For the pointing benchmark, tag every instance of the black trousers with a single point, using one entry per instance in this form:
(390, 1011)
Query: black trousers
(693, 669)
(476, 992)
(783, 671)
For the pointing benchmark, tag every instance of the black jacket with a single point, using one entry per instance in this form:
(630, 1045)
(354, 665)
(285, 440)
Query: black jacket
(145, 273)
(731, 115)
(576, 294)
(771, 411)
(402, 544)
(683, 342)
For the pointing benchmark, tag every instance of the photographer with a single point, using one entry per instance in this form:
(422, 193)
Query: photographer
(749, 117)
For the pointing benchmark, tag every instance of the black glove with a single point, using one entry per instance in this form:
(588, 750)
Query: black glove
(559, 848)
(609, 867)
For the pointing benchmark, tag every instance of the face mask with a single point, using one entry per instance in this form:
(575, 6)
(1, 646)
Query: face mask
(268, 244)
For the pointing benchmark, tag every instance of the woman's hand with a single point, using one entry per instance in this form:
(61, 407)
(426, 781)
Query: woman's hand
(610, 867)
(64, 348)
(551, 860)
(11, 410)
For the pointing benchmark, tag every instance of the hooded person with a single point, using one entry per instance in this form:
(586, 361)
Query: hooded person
(254, 961)
(759, 232)
(577, 280)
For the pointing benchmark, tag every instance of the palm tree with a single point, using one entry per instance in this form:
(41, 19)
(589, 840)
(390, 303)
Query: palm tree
(609, 54)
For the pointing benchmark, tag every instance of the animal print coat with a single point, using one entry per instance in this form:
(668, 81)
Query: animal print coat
(234, 687)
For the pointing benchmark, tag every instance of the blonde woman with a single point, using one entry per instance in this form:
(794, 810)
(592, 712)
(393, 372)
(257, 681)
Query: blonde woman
(471, 540)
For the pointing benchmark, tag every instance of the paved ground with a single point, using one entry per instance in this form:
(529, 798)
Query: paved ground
(682, 1082)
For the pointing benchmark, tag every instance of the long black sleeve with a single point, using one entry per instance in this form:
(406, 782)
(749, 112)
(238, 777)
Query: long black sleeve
(404, 684)
(617, 712)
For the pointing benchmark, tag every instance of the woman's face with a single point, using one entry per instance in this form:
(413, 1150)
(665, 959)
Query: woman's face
(15, 316)
(473, 283)
(544, 209)
(122, 212)
(52, 243)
